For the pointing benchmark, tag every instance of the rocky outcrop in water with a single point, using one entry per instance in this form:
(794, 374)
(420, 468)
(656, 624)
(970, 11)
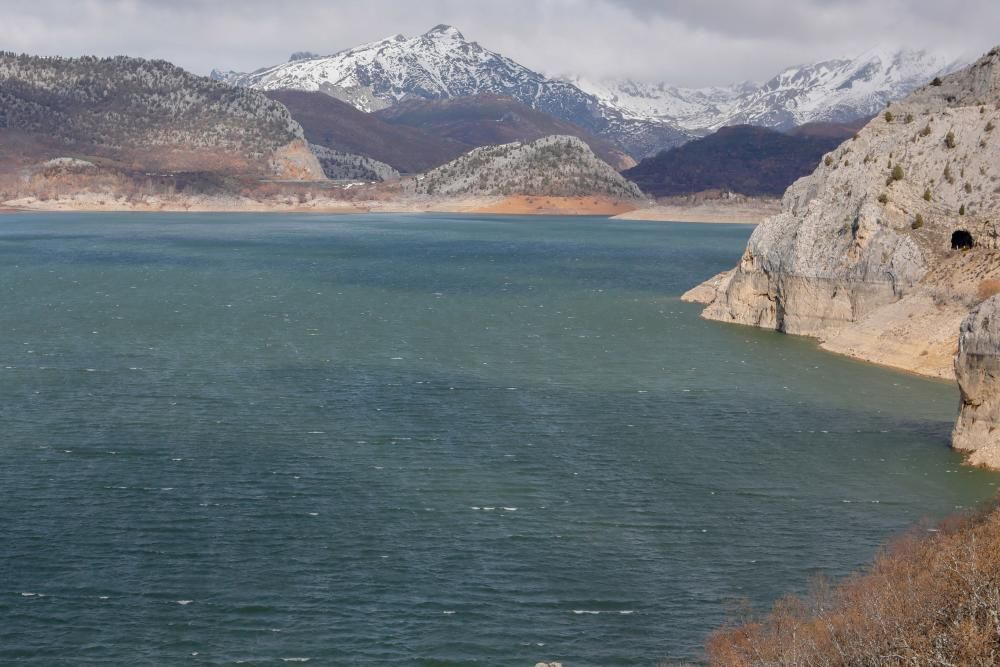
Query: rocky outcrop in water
(881, 252)
(977, 368)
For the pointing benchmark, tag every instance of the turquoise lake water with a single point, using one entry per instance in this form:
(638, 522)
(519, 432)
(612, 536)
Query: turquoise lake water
(421, 440)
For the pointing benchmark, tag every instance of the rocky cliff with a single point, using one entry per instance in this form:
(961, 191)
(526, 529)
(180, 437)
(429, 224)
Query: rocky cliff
(340, 166)
(881, 252)
(977, 367)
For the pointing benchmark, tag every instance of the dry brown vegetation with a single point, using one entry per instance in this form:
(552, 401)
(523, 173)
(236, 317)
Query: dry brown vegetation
(931, 598)
(527, 205)
(988, 288)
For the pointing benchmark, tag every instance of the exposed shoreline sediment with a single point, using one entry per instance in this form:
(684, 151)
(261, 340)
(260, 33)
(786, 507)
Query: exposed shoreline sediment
(513, 205)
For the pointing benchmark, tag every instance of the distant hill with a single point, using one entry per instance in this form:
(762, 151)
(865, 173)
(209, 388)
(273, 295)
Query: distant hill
(489, 119)
(341, 127)
(139, 115)
(556, 166)
(745, 159)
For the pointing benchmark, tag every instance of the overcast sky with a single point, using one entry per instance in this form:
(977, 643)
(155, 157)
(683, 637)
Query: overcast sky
(684, 42)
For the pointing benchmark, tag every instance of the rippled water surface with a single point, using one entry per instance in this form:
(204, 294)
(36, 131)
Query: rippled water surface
(421, 440)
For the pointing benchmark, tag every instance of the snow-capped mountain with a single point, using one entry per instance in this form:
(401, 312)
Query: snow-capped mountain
(441, 64)
(830, 91)
(693, 107)
(641, 118)
(435, 65)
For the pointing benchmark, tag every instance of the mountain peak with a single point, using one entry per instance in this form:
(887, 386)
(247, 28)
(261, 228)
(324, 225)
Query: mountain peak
(444, 30)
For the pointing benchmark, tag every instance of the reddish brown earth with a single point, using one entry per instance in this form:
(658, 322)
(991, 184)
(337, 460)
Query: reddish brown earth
(524, 205)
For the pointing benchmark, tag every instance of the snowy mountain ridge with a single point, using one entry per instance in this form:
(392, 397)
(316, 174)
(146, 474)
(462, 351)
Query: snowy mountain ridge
(829, 91)
(641, 118)
(441, 64)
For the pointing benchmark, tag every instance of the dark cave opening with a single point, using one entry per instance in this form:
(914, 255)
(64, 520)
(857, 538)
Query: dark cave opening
(962, 240)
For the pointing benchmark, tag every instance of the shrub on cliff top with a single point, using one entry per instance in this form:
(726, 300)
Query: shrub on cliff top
(930, 598)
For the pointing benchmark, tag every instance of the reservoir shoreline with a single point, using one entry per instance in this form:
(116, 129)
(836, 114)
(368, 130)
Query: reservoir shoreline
(707, 213)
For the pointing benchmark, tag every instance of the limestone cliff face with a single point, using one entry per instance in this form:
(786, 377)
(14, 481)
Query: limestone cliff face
(861, 255)
(338, 165)
(797, 277)
(977, 367)
(294, 161)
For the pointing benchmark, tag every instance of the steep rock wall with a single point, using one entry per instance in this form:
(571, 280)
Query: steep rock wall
(977, 368)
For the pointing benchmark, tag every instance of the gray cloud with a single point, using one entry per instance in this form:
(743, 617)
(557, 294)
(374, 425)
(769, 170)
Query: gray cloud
(687, 42)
